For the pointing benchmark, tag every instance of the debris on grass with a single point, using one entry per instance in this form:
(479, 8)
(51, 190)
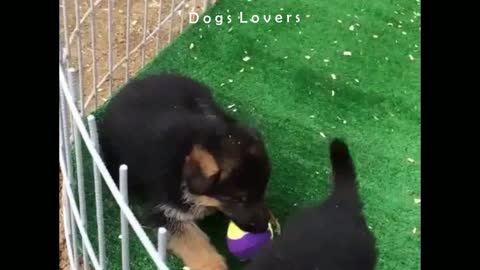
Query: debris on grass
(312, 116)
(375, 36)
(333, 93)
(357, 81)
(411, 57)
(241, 70)
(246, 58)
(334, 77)
(230, 80)
(231, 106)
(191, 46)
(352, 27)
(417, 201)
(339, 21)
(347, 53)
(307, 57)
(322, 134)
(285, 57)
(404, 33)
(326, 60)
(375, 117)
(411, 160)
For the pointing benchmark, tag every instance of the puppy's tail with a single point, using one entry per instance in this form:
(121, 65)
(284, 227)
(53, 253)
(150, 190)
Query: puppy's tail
(344, 176)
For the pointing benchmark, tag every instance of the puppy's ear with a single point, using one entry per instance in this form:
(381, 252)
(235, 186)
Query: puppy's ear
(200, 171)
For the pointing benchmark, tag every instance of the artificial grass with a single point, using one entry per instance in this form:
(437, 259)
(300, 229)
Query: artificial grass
(287, 90)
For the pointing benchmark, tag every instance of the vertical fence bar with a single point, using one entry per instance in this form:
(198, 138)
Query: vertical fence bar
(64, 145)
(110, 53)
(182, 16)
(66, 229)
(65, 134)
(72, 76)
(145, 19)
(79, 168)
(69, 172)
(159, 24)
(170, 29)
(123, 219)
(92, 125)
(79, 53)
(162, 243)
(66, 54)
(94, 54)
(127, 42)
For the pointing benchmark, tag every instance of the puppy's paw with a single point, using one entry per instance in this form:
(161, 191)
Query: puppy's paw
(212, 262)
(194, 248)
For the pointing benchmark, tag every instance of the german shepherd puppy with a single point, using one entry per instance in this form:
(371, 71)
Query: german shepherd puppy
(331, 236)
(188, 158)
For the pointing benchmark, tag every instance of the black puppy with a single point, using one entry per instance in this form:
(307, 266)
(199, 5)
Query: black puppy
(187, 158)
(331, 236)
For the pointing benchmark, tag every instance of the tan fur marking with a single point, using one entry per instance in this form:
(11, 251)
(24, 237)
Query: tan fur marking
(192, 245)
(227, 166)
(207, 201)
(205, 160)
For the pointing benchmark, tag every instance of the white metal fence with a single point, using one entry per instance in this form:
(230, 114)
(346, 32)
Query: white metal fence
(102, 44)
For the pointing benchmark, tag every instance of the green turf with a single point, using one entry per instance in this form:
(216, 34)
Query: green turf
(373, 103)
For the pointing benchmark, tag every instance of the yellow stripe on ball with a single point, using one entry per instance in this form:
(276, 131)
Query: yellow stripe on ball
(234, 232)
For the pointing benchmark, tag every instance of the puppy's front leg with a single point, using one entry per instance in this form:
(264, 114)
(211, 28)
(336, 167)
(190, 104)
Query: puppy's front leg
(192, 245)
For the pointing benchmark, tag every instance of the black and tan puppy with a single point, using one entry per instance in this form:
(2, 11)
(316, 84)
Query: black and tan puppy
(331, 236)
(187, 158)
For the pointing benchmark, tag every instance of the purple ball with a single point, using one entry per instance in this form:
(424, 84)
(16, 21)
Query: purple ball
(244, 245)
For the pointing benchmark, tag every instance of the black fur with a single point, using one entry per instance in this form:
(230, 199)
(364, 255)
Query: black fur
(152, 124)
(331, 236)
